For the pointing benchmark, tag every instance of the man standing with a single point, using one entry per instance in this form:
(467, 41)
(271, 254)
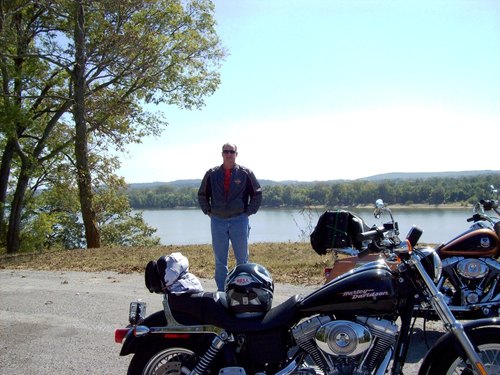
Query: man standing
(229, 194)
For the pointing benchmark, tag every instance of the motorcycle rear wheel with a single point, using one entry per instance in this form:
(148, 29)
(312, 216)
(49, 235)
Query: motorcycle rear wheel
(170, 361)
(487, 341)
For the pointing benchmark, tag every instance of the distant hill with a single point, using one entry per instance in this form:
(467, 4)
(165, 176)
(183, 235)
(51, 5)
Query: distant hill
(176, 184)
(195, 183)
(421, 175)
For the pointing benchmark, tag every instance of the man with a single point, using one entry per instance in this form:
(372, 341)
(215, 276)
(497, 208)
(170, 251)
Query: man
(229, 194)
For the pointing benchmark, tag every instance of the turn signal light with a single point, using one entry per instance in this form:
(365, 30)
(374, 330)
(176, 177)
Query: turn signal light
(409, 246)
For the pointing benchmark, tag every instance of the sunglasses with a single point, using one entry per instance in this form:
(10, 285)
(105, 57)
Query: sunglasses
(228, 152)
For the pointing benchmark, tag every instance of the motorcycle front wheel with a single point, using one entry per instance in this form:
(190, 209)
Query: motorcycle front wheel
(487, 340)
(170, 361)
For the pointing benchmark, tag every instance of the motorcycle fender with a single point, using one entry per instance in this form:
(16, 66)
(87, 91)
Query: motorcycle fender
(448, 339)
(154, 320)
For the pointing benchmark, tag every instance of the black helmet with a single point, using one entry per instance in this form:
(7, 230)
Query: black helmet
(249, 290)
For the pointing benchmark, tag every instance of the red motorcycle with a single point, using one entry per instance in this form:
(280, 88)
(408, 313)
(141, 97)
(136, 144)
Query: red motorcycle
(471, 271)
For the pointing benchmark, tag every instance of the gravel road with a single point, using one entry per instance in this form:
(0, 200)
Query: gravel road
(64, 322)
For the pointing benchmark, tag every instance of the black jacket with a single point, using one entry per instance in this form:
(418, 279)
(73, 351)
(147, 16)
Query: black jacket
(244, 196)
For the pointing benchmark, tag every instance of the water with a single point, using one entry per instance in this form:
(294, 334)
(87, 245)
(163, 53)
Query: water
(191, 226)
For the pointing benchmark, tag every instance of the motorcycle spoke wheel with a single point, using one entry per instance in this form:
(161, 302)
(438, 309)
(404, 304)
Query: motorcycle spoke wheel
(172, 361)
(490, 355)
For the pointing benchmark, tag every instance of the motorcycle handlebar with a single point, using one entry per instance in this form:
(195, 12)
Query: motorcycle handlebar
(479, 217)
(475, 217)
(371, 234)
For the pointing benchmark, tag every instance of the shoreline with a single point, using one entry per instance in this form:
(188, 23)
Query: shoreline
(424, 206)
(418, 206)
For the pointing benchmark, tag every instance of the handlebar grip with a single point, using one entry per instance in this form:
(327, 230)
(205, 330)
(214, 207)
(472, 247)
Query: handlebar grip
(371, 234)
(477, 217)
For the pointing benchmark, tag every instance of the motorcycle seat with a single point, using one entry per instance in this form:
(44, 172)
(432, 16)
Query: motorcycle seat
(210, 309)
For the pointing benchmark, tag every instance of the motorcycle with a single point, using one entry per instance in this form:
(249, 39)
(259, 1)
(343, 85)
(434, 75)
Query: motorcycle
(471, 271)
(359, 323)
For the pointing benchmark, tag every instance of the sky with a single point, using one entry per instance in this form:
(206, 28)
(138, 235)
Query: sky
(316, 90)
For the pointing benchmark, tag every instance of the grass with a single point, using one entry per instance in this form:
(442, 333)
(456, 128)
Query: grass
(294, 263)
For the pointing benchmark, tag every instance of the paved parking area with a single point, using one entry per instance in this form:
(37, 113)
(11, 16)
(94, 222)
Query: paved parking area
(64, 322)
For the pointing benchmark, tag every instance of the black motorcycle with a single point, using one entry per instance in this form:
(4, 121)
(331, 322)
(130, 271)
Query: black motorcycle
(470, 281)
(359, 323)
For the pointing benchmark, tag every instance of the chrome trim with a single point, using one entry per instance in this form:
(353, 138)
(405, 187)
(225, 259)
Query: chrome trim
(492, 263)
(343, 337)
(454, 308)
(347, 251)
(384, 365)
(451, 324)
(144, 330)
(292, 366)
(168, 313)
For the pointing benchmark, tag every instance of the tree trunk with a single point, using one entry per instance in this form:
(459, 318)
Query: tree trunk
(13, 233)
(7, 156)
(14, 228)
(92, 234)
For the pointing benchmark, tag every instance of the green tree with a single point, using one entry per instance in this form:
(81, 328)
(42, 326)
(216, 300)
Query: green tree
(103, 62)
(30, 92)
(151, 52)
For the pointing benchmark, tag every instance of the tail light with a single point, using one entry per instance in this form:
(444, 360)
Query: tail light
(120, 334)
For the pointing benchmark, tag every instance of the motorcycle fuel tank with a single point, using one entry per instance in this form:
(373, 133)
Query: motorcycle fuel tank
(472, 243)
(370, 288)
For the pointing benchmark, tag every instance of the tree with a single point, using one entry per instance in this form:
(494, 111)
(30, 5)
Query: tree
(154, 51)
(28, 118)
(83, 172)
(103, 62)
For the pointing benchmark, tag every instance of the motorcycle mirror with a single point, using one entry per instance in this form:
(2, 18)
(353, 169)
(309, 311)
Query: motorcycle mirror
(379, 205)
(478, 208)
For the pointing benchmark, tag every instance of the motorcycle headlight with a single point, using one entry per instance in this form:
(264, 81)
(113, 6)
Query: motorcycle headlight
(431, 262)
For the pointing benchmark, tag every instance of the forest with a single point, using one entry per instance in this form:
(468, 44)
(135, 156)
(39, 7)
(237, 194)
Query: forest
(429, 191)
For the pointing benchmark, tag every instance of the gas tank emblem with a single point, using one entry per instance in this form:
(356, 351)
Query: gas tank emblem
(485, 242)
(365, 293)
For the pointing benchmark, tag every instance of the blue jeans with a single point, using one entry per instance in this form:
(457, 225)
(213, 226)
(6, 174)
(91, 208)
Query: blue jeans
(235, 229)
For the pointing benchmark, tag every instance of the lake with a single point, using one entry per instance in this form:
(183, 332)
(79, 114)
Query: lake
(191, 226)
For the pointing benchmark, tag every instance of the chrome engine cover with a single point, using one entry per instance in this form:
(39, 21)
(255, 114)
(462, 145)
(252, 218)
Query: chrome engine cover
(347, 347)
(343, 338)
(472, 268)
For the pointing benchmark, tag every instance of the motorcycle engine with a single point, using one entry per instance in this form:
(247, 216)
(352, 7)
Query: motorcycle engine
(347, 347)
(343, 337)
(472, 269)
(469, 281)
